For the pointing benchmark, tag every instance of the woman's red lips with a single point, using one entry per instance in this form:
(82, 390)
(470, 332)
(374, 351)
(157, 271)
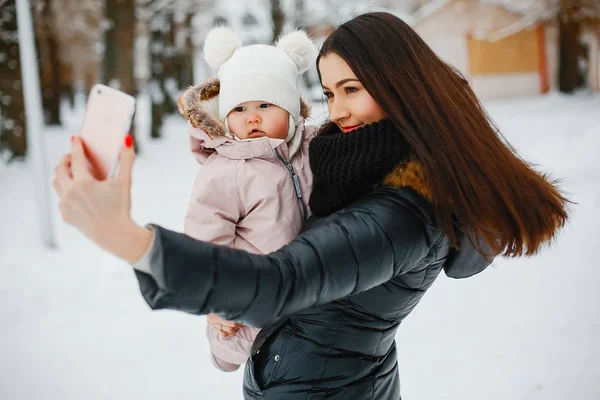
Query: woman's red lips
(349, 128)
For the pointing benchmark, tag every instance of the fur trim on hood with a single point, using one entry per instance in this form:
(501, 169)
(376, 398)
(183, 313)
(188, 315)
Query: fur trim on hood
(409, 174)
(200, 105)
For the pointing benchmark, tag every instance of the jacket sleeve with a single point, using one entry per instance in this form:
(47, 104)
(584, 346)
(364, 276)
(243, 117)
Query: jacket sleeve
(350, 252)
(223, 365)
(214, 208)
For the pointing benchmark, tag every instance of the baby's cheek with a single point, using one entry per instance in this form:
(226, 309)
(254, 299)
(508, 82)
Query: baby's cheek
(280, 128)
(236, 125)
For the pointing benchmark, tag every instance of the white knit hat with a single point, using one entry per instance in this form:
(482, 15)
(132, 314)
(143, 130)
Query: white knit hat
(259, 72)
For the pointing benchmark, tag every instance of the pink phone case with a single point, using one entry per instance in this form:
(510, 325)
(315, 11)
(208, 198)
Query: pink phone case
(108, 118)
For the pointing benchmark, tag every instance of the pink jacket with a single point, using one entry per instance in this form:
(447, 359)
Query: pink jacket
(248, 194)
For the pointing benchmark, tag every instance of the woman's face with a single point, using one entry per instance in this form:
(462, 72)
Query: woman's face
(350, 105)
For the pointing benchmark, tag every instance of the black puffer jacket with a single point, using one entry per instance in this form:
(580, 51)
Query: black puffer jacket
(331, 301)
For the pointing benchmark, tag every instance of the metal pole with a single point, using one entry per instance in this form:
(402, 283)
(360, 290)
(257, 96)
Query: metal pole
(34, 121)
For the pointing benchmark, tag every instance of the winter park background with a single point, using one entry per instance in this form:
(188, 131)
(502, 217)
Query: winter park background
(74, 326)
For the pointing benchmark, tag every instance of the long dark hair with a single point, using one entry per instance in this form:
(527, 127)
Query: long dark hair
(474, 175)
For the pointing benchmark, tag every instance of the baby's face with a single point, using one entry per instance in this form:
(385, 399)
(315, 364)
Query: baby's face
(254, 119)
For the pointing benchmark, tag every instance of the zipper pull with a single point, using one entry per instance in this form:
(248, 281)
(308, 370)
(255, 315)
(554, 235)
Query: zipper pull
(297, 185)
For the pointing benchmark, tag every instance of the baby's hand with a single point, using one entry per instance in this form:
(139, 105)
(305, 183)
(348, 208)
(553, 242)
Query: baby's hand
(224, 327)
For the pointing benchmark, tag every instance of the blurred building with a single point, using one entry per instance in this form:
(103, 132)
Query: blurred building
(472, 36)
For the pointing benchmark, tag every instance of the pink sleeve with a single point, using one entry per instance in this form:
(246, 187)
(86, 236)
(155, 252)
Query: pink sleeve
(223, 365)
(229, 353)
(214, 207)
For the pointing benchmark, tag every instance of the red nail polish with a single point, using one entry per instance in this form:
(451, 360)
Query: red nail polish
(128, 141)
(72, 138)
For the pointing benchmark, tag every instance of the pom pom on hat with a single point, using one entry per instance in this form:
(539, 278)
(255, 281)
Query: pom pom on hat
(219, 46)
(298, 46)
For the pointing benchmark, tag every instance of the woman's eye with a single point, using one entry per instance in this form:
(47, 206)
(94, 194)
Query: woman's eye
(350, 89)
(328, 95)
(265, 105)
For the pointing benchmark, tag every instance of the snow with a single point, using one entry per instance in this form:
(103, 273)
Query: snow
(74, 325)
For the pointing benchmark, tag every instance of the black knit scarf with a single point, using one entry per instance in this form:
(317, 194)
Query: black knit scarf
(348, 165)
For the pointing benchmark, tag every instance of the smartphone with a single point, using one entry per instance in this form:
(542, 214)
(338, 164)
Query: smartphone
(108, 117)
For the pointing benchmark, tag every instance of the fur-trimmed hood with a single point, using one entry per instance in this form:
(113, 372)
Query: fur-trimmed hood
(200, 106)
(409, 174)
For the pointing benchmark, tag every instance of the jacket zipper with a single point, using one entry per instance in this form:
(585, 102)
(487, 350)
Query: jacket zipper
(296, 181)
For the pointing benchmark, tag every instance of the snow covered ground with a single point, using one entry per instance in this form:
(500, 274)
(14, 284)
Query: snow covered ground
(74, 325)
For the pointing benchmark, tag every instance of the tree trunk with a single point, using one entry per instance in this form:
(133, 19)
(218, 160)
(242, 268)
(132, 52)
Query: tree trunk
(299, 24)
(278, 18)
(119, 50)
(67, 86)
(126, 50)
(109, 61)
(50, 65)
(12, 108)
(569, 76)
(157, 77)
(186, 76)
(169, 81)
(125, 27)
(89, 80)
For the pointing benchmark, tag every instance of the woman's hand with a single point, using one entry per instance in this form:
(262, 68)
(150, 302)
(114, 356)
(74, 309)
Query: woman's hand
(224, 327)
(101, 209)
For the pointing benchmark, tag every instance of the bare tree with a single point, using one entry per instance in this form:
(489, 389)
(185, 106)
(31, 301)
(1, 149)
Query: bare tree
(170, 52)
(109, 61)
(186, 54)
(51, 73)
(278, 18)
(119, 46)
(12, 111)
(570, 16)
(170, 56)
(157, 74)
(78, 29)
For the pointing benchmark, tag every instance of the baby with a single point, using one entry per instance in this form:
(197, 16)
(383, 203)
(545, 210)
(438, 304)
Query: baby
(247, 130)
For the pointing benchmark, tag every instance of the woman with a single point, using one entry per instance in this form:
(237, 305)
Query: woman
(410, 177)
